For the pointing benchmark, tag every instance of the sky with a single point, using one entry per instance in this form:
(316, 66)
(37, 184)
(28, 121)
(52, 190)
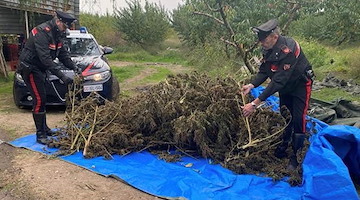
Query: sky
(103, 6)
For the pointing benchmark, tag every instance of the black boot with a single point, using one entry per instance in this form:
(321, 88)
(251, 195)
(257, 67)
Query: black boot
(297, 144)
(41, 136)
(48, 131)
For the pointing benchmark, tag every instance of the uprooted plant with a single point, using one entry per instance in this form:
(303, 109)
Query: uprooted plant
(190, 113)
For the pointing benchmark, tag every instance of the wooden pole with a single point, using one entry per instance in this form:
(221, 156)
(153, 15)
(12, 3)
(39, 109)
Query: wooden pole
(2, 60)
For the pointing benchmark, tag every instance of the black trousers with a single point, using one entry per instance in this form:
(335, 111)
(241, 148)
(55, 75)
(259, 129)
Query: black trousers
(35, 82)
(297, 101)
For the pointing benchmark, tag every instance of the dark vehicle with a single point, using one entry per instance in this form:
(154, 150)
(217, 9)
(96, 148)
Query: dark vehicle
(96, 72)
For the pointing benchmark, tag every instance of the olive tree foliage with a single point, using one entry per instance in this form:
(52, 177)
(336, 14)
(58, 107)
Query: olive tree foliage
(335, 21)
(199, 21)
(102, 27)
(145, 26)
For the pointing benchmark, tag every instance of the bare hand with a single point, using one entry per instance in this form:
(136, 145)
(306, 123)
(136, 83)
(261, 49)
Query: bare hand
(246, 88)
(248, 109)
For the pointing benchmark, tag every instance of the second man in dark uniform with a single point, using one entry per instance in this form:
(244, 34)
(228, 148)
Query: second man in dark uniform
(291, 75)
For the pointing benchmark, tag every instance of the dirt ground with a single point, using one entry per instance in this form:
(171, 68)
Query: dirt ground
(29, 175)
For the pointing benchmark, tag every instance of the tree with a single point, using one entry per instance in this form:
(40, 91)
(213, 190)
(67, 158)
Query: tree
(102, 27)
(143, 26)
(336, 21)
(231, 21)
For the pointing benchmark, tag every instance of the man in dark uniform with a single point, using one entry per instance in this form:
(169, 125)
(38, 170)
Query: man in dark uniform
(291, 75)
(43, 46)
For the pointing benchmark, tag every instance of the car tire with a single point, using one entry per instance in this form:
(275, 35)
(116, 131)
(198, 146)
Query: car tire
(115, 89)
(17, 103)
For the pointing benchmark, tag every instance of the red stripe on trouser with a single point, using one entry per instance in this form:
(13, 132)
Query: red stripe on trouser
(36, 92)
(308, 93)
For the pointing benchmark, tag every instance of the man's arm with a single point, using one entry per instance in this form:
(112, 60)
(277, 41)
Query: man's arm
(42, 47)
(65, 58)
(281, 77)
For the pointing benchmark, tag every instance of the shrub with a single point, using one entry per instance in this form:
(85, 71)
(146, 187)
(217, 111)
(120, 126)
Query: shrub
(102, 28)
(316, 53)
(146, 26)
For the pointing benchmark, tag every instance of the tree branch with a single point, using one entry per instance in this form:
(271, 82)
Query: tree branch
(210, 16)
(212, 9)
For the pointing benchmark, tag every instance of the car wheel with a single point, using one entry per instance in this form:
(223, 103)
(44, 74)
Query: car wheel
(17, 104)
(16, 101)
(115, 90)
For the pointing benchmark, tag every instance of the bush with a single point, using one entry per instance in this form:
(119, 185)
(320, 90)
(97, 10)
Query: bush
(316, 53)
(146, 27)
(211, 58)
(102, 28)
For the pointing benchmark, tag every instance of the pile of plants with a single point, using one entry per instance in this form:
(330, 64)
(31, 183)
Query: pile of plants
(189, 114)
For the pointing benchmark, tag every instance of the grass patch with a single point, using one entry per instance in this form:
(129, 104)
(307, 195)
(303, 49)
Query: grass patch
(123, 73)
(160, 75)
(6, 84)
(341, 61)
(134, 55)
(6, 87)
(330, 94)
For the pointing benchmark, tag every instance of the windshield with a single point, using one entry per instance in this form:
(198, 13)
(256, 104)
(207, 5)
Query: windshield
(82, 47)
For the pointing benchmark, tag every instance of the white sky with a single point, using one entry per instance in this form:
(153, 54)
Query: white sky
(103, 6)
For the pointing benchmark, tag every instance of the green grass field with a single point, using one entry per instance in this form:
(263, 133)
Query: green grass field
(123, 73)
(6, 84)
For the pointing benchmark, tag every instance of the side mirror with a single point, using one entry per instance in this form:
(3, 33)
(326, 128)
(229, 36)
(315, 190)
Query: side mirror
(107, 50)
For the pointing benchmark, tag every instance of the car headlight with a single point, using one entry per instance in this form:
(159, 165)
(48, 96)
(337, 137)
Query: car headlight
(19, 78)
(98, 76)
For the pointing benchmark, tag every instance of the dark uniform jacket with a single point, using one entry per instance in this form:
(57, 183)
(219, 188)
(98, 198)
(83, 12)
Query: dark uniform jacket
(285, 64)
(43, 46)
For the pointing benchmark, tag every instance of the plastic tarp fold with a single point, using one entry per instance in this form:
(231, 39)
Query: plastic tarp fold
(333, 154)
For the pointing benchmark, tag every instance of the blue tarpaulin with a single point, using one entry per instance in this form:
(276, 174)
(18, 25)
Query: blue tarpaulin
(333, 154)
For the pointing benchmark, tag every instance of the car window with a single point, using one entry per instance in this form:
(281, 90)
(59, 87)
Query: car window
(82, 47)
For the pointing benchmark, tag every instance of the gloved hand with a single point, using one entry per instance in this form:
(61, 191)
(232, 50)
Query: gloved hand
(78, 70)
(67, 80)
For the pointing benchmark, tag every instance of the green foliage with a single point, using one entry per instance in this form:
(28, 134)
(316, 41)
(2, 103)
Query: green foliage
(211, 58)
(146, 26)
(241, 15)
(317, 54)
(192, 29)
(334, 21)
(102, 28)
(344, 62)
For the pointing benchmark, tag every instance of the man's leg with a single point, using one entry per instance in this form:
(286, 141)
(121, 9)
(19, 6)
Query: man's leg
(48, 131)
(300, 105)
(35, 82)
